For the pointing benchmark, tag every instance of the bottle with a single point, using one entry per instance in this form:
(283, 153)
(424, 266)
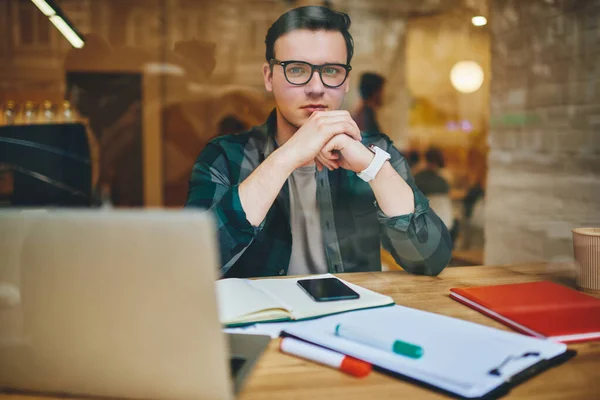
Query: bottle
(9, 113)
(29, 115)
(48, 111)
(105, 196)
(67, 111)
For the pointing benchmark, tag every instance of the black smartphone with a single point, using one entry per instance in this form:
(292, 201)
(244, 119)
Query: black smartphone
(327, 289)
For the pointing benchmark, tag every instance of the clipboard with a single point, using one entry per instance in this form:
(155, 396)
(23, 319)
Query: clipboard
(461, 358)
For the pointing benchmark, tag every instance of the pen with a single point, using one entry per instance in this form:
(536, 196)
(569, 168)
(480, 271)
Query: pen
(347, 364)
(360, 335)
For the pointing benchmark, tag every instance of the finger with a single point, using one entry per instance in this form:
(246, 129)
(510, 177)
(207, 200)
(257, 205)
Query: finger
(333, 117)
(357, 128)
(336, 143)
(330, 113)
(328, 132)
(344, 126)
(318, 164)
(336, 116)
(332, 155)
(340, 114)
(340, 118)
(327, 164)
(330, 150)
(330, 164)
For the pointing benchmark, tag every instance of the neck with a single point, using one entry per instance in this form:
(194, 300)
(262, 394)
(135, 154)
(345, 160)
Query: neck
(285, 130)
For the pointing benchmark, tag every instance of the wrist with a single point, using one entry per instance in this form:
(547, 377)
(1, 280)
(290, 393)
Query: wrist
(284, 161)
(366, 159)
(379, 159)
(384, 173)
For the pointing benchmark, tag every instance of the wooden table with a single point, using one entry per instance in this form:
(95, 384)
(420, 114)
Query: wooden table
(467, 257)
(278, 376)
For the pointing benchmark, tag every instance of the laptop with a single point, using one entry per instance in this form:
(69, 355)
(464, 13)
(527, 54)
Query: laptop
(116, 304)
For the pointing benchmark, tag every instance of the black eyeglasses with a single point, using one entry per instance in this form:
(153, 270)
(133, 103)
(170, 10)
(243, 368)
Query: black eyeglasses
(300, 72)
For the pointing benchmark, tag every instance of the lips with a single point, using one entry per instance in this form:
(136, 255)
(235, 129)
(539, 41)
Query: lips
(314, 107)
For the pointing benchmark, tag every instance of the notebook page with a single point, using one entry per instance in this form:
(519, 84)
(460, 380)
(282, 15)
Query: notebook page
(237, 298)
(458, 355)
(290, 294)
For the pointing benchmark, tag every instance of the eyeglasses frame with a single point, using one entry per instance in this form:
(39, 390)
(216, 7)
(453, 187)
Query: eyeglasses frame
(313, 68)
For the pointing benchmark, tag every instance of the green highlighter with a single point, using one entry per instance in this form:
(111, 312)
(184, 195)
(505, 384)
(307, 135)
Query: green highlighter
(363, 336)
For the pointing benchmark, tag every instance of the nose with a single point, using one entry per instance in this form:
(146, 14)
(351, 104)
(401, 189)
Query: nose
(315, 87)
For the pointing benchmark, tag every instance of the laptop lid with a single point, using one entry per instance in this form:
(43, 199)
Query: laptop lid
(111, 303)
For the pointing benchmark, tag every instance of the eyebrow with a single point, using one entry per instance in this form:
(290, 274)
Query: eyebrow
(325, 63)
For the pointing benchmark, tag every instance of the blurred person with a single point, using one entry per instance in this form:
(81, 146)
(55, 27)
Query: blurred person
(231, 125)
(413, 158)
(435, 186)
(371, 93)
(307, 192)
(430, 180)
(474, 208)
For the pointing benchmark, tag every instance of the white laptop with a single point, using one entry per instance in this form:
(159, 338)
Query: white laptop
(115, 304)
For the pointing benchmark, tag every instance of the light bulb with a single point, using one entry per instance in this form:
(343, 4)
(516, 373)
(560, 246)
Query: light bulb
(466, 76)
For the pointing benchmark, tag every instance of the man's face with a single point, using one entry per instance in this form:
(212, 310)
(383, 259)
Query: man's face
(297, 103)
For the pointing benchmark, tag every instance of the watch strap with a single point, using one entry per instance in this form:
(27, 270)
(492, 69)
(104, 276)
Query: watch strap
(381, 156)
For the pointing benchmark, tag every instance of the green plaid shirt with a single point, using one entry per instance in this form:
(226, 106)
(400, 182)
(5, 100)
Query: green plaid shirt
(353, 226)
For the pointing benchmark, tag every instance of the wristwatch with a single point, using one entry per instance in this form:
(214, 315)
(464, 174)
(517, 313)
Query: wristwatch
(381, 156)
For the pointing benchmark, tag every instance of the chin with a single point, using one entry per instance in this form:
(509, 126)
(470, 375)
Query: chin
(293, 119)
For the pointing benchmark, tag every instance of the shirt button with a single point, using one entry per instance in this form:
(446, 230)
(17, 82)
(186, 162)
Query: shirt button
(281, 272)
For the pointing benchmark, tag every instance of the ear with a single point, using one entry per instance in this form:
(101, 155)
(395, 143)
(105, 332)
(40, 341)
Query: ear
(268, 77)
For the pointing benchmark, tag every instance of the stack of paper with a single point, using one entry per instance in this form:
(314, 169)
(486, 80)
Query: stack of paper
(460, 357)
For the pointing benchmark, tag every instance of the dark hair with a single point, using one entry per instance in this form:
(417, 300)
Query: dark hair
(370, 83)
(314, 18)
(435, 156)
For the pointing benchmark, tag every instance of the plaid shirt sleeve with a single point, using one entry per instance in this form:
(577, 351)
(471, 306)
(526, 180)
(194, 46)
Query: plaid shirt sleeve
(210, 188)
(420, 241)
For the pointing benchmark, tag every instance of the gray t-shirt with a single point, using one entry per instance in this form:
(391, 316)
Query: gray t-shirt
(308, 252)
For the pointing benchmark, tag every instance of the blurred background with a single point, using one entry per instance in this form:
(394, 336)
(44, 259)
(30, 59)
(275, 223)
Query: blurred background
(495, 103)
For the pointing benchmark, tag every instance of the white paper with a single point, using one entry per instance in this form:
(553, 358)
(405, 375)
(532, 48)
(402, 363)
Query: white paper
(237, 298)
(458, 355)
(272, 329)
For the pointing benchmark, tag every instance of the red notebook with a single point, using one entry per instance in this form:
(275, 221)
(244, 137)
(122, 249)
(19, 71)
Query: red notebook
(541, 309)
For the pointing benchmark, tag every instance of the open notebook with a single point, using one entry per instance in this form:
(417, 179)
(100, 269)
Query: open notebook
(459, 357)
(244, 301)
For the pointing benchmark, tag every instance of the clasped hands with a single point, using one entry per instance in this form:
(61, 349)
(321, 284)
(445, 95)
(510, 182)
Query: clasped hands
(332, 140)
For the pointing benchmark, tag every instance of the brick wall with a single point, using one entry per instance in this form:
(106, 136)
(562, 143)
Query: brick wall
(544, 163)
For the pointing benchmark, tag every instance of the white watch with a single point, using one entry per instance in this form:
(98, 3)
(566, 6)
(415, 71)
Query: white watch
(381, 156)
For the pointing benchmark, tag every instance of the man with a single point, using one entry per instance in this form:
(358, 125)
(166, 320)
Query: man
(430, 180)
(432, 184)
(286, 195)
(371, 92)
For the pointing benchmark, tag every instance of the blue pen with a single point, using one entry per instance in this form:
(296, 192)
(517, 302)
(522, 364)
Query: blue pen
(362, 336)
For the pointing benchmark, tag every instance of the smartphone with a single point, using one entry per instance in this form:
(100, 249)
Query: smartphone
(327, 289)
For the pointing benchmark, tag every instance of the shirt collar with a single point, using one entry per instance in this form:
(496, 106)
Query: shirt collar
(269, 130)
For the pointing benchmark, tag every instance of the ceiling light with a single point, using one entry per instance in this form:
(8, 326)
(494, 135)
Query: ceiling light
(479, 20)
(44, 7)
(67, 31)
(466, 76)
